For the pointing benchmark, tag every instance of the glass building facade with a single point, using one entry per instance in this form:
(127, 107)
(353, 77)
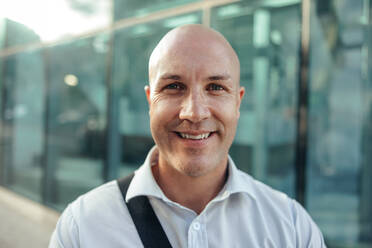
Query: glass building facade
(73, 112)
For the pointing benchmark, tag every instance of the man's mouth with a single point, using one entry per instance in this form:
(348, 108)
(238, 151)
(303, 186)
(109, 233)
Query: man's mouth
(194, 137)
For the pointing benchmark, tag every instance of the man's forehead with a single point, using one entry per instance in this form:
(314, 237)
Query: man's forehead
(195, 42)
(205, 68)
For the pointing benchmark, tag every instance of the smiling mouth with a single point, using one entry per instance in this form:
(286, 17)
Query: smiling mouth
(193, 137)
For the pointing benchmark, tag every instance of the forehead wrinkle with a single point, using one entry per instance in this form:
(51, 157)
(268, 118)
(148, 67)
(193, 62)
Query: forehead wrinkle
(170, 76)
(219, 77)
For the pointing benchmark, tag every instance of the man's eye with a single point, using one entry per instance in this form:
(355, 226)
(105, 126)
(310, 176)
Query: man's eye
(174, 86)
(215, 87)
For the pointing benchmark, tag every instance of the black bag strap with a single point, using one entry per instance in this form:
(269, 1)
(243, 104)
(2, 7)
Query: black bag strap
(148, 226)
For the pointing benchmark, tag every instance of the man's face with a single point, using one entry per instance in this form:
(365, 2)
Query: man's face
(194, 100)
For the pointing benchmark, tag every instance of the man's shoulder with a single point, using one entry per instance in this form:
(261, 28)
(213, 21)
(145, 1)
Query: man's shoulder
(97, 218)
(100, 193)
(285, 215)
(100, 200)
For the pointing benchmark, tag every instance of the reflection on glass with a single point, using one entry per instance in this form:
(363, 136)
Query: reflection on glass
(129, 8)
(76, 118)
(132, 50)
(339, 188)
(23, 123)
(266, 39)
(55, 19)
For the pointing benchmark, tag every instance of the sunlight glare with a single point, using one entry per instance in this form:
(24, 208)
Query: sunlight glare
(53, 19)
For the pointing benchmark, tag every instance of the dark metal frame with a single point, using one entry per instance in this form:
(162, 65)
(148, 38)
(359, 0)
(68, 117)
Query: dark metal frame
(302, 108)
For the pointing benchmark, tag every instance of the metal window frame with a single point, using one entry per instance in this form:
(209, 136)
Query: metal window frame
(302, 105)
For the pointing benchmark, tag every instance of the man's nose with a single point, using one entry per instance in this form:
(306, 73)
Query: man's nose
(194, 108)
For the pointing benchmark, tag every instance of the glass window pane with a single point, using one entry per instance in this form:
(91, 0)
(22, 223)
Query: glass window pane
(339, 161)
(13, 33)
(129, 8)
(266, 38)
(132, 50)
(76, 118)
(23, 122)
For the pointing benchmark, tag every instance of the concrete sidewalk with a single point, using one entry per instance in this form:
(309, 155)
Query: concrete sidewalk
(24, 223)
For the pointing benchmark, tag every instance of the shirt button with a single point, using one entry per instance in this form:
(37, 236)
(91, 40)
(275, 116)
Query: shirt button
(196, 226)
(225, 194)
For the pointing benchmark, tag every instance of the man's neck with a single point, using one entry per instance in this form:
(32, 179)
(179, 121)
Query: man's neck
(191, 192)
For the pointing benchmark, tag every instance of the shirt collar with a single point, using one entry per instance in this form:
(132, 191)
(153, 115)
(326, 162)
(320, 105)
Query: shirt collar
(238, 181)
(143, 182)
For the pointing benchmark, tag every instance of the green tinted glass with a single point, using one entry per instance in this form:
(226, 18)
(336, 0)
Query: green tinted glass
(339, 195)
(77, 100)
(22, 128)
(131, 8)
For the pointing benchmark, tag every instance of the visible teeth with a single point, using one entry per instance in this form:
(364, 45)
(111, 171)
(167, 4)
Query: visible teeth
(196, 137)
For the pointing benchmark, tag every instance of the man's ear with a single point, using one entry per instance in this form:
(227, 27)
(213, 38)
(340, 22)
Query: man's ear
(147, 92)
(240, 97)
(241, 93)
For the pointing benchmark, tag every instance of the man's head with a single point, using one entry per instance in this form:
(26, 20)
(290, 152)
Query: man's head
(194, 97)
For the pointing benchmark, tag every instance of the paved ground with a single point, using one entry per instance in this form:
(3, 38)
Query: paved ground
(24, 223)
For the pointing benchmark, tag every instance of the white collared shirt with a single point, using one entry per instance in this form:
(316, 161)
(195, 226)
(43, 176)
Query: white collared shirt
(246, 213)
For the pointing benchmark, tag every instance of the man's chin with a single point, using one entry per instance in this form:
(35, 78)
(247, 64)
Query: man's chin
(191, 162)
(196, 167)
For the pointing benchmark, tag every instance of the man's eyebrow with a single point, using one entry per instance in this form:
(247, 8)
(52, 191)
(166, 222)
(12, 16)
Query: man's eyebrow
(219, 77)
(170, 76)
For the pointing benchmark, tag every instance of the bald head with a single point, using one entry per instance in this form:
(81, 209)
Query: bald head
(193, 40)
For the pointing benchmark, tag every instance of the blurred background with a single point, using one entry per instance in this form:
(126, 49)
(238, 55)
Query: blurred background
(73, 112)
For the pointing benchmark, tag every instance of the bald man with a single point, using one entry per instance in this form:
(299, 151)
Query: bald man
(188, 192)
